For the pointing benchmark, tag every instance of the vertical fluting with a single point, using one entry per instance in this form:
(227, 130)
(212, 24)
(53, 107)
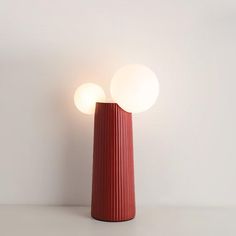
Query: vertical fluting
(113, 197)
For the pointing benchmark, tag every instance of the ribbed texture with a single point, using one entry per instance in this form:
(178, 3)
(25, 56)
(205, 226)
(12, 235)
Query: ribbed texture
(113, 196)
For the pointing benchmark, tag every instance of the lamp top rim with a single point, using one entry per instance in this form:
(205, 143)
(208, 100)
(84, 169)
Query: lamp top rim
(111, 104)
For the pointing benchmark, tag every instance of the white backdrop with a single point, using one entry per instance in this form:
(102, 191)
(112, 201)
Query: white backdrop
(185, 150)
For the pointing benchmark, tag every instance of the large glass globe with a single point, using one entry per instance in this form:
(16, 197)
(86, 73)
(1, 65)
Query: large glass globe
(135, 88)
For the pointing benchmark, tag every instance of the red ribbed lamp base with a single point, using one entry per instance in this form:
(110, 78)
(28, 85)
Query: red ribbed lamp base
(113, 197)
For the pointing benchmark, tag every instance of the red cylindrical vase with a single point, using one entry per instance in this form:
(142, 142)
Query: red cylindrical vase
(113, 197)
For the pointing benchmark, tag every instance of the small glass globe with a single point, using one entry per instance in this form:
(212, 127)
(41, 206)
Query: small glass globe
(86, 96)
(135, 88)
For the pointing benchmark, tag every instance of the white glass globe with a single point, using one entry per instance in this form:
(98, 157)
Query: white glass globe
(86, 96)
(135, 88)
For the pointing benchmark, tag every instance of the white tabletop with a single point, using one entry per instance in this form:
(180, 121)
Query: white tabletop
(158, 221)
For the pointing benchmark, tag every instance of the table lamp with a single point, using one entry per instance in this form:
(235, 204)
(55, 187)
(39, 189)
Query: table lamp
(134, 89)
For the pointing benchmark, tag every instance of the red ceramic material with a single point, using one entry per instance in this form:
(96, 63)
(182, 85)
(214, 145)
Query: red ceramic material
(113, 197)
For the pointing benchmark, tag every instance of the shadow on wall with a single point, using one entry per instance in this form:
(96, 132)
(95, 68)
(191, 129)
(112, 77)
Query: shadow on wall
(46, 143)
(76, 179)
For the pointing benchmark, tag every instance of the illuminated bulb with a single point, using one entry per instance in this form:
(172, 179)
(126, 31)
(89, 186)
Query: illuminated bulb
(87, 95)
(135, 88)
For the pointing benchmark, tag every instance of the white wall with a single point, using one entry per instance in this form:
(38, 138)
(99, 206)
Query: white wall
(185, 149)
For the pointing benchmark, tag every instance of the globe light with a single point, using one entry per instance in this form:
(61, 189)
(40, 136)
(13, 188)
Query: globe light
(135, 88)
(86, 96)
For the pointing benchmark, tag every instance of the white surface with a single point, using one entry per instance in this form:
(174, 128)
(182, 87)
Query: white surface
(68, 221)
(184, 145)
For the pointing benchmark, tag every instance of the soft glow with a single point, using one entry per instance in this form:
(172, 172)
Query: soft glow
(86, 96)
(135, 88)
